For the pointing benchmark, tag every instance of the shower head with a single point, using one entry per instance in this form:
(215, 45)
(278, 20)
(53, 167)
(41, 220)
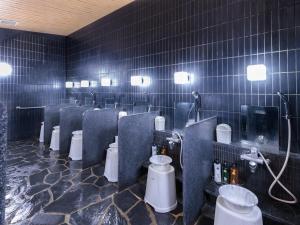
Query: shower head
(286, 104)
(283, 97)
(195, 94)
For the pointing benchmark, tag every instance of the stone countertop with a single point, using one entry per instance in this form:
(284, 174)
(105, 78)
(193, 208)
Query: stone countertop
(271, 209)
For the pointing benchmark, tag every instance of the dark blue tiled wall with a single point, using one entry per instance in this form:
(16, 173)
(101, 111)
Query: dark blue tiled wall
(214, 39)
(38, 78)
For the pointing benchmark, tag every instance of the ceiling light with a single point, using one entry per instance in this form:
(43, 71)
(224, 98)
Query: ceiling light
(5, 69)
(8, 22)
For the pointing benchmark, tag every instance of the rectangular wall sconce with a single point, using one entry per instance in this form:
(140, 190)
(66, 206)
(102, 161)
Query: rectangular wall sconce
(84, 83)
(69, 84)
(93, 83)
(106, 82)
(141, 81)
(76, 84)
(183, 77)
(256, 72)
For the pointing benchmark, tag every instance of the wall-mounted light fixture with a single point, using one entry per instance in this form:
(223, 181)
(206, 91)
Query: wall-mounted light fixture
(141, 81)
(5, 69)
(93, 83)
(84, 83)
(76, 84)
(69, 84)
(106, 82)
(183, 77)
(256, 72)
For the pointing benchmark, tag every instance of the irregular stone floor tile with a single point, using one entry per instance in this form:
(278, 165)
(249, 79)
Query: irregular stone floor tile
(90, 180)
(48, 219)
(98, 170)
(139, 190)
(139, 213)
(91, 215)
(46, 188)
(125, 200)
(107, 191)
(101, 181)
(179, 221)
(60, 188)
(75, 199)
(113, 217)
(38, 177)
(52, 178)
(164, 218)
(37, 188)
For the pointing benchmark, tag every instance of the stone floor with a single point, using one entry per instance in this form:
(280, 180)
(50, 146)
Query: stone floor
(45, 189)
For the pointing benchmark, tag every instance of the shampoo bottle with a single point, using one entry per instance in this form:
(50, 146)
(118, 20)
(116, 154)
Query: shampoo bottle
(217, 172)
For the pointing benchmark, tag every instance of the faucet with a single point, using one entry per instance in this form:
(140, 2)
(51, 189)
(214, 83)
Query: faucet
(176, 139)
(197, 104)
(148, 101)
(93, 94)
(253, 158)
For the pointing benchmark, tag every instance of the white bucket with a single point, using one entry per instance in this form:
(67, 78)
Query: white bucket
(224, 133)
(160, 122)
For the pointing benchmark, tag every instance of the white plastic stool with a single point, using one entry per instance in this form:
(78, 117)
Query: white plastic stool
(161, 187)
(54, 144)
(111, 163)
(76, 145)
(227, 216)
(42, 133)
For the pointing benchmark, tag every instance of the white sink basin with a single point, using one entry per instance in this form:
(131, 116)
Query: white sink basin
(160, 160)
(238, 198)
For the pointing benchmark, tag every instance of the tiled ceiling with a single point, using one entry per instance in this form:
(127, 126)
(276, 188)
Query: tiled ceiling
(61, 17)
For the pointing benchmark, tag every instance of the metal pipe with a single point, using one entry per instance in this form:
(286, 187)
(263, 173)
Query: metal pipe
(33, 107)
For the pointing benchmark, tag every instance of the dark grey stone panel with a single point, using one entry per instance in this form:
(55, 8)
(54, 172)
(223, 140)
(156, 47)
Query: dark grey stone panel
(135, 141)
(3, 146)
(70, 120)
(99, 129)
(197, 163)
(51, 119)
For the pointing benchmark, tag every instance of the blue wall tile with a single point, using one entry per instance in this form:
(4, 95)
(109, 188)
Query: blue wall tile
(215, 39)
(38, 78)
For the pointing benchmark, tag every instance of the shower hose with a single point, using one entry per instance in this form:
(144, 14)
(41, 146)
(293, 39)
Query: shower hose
(276, 178)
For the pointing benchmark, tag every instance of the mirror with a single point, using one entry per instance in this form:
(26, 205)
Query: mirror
(260, 125)
(183, 114)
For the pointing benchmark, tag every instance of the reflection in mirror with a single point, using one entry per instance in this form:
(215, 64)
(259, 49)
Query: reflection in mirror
(140, 107)
(259, 126)
(183, 112)
(110, 103)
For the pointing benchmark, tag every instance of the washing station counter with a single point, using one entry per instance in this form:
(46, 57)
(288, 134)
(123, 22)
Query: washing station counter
(136, 136)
